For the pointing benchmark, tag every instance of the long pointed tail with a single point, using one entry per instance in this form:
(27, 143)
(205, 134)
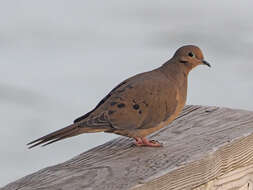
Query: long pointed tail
(63, 133)
(96, 124)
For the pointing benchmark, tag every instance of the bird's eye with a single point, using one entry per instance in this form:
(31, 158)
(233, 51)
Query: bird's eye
(191, 54)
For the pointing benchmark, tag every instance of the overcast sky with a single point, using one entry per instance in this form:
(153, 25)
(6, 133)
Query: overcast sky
(59, 58)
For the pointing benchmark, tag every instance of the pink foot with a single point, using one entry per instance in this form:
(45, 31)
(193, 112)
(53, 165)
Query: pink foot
(142, 141)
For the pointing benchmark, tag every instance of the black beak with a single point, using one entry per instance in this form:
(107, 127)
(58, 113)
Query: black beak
(206, 63)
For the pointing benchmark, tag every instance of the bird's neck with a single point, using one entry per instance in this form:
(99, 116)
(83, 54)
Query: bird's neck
(179, 74)
(173, 69)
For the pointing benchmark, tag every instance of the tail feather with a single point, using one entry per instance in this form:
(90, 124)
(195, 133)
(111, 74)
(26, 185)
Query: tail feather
(66, 132)
(60, 138)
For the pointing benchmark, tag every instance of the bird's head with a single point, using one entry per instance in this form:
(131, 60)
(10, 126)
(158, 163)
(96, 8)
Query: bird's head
(190, 56)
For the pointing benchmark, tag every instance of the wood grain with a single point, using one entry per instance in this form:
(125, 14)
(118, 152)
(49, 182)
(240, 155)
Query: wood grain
(201, 147)
(240, 179)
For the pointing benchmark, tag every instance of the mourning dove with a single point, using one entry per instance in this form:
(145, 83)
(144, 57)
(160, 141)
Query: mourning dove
(140, 105)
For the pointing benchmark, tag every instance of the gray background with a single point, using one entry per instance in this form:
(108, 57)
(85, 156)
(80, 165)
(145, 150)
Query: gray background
(58, 58)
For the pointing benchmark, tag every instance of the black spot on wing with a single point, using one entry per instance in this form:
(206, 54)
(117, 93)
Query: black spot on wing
(184, 62)
(136, 106)
(121, 105)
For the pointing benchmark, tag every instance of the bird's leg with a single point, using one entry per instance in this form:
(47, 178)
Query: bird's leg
(138, 141)
(152, 143)
(143, 141)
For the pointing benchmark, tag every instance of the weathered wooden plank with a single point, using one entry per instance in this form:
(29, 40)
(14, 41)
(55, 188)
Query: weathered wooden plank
(202, 144)
(240, 179)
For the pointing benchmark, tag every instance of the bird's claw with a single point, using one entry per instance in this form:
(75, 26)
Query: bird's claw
(145, 142)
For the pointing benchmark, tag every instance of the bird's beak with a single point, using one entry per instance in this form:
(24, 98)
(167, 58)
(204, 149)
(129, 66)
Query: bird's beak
(206, 63)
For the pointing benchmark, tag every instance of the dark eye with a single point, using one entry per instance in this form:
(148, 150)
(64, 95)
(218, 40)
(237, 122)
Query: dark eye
(191, 54)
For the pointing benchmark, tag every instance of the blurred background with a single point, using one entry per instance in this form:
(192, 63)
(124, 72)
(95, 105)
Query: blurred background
(59, 58)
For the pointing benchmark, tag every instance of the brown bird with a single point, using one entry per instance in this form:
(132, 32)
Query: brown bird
(139, 105)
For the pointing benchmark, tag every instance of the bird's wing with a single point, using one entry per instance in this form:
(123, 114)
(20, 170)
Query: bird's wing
(115, 93)
(141, 101)
(148, 100)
